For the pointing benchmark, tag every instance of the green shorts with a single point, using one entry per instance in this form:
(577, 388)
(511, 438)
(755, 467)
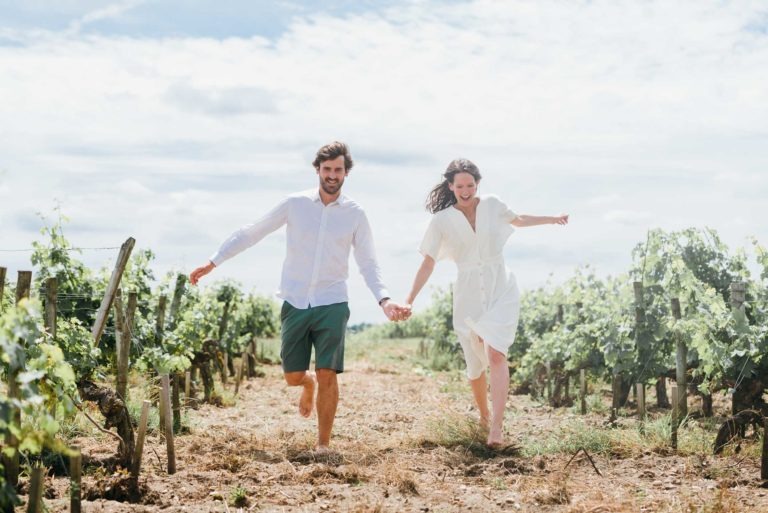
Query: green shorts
(320, 326)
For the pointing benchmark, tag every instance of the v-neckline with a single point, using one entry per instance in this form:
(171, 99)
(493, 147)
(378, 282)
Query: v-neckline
(466, 219)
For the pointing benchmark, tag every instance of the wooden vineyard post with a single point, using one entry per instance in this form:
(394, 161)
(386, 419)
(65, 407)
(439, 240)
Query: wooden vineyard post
(178, 292)
(165, 399)
(35, 496)
(251, 359)
(642, 344)
(140, 439)
(239, 375)
(223, 323)
(124, 343)
(764, 457)
(121, 380)
(583, 391)
(109, 294)
(221, 364)
(675, 415)
(738, 297)
(615, 396)
(75, 479)
(51, 286)
(176, 403)
(661, 393)
(160, 321)
(11, 463)
(3, 271)
(681, 361)
(640, 401)
(23, 285)
(549, 382)
(187, 386)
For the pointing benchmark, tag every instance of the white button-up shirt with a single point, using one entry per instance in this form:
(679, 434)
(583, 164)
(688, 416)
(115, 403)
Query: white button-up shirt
(319, 239)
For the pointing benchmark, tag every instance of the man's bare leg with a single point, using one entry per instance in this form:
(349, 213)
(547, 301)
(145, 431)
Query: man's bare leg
(307, 380)
(480, 391)
(499, 393)
(327, 401)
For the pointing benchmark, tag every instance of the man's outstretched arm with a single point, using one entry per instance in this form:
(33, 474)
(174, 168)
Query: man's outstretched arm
(201, 271)
(243, 239)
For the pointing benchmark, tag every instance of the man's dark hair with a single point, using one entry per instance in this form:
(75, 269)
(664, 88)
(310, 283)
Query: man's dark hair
(332, 151)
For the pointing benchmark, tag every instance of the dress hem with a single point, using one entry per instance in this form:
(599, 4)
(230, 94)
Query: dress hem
(477, 330)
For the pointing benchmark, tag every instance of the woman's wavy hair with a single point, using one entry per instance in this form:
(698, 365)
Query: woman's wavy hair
(441, 196)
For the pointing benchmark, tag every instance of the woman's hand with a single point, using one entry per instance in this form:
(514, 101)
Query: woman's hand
(395, 311)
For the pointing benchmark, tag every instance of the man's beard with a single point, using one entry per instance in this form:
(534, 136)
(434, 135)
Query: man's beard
(331, 188)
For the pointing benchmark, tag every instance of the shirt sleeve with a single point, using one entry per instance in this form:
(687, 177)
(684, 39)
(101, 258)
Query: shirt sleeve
(365, 256)
(250, 234)
(432, 243)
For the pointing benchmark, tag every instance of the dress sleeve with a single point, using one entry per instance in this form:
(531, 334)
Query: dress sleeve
(506, 214)
(432, 244)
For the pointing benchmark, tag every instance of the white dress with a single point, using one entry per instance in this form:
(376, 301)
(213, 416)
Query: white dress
(486, 300)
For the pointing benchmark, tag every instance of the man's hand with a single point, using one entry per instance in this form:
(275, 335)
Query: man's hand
(395, 312)
(562, 219)
(201, 271)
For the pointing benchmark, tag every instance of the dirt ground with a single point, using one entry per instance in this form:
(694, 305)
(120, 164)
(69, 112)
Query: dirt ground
(256, 456)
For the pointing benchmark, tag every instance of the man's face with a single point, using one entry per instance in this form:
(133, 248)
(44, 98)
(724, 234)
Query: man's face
(332, 174)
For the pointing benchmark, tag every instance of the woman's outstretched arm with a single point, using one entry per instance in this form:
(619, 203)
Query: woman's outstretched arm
(522, 221)
(422, 275)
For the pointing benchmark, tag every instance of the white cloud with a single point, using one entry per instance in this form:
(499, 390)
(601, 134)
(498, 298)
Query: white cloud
(627, 107)
(627, 217)
(607, 199)
(133, 187)
(104, 13)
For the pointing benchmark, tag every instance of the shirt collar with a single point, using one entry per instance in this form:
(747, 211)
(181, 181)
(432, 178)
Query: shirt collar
(315, 195)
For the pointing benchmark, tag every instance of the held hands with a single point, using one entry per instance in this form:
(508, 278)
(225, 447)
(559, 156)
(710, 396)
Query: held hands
(395, 311)
(201, 271)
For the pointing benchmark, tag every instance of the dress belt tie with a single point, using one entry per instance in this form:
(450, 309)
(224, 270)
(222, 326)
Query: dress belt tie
(477, 264)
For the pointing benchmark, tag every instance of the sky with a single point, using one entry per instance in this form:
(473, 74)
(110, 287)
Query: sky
(176, 122)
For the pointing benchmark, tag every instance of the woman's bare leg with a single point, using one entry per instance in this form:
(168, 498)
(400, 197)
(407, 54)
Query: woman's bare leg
(480, 391)
(499, 393)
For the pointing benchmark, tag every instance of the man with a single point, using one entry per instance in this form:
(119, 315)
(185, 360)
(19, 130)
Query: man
(322, 226)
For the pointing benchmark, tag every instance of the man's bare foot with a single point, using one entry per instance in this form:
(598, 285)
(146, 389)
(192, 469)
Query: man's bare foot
(307, 400)
(322, 449)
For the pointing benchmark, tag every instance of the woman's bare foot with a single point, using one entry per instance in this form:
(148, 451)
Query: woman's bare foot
(307, 400)
(495, 438)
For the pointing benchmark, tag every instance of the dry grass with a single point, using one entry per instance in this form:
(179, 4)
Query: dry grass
(408, 441)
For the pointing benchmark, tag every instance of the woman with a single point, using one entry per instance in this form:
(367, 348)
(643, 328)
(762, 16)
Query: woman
(471, 231)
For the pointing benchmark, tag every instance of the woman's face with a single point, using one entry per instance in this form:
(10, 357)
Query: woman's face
(464, 188)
